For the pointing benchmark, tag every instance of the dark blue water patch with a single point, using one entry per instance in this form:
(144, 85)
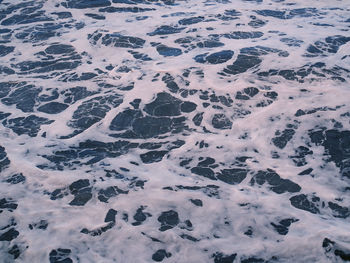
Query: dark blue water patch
(39, 32)
(277, 184)
(289, 14)
(232, 176)
(191, 20)
(153, 156)
(166, 30)
(209, 190)
(168, 220)
(4, 161)
(15, 251)
(333, 248)
(26, 125)
(282, 138)
(215, 58)
(221, 121)
(98, 231)
(261, 50)
(95, 150)
(60, 255)
(59, 58)
(6, 70)
(140, 216)
(15, 178)
(59, 49)
(195, 42)
(62, 15)
(223, 258)
(42, 224)
(337, 146)
(105, 194)
(140, 56)
(116, 40)
(166, 51)
(243, 35)
(164, 105)
(135, 2)
(300, 154)
(9, 235)
(292, 42)
(254, 259)
(53, 107)
(242, 64)
(204, 171)
(232, 12)
(160, 254)
(95, 16)
(82, 4)
(5, 50)
(339, 211)
(198, 118)
(74, 94)
(124, 119)
(272, 13)
(282, 227)
(110, 216)
(256, 23)
(112, 9)
(24, 97)
(309, 72)
(197, 202)
(20, 19)
(8, 204)
(92, 111)
(331, 44)
(305, 202)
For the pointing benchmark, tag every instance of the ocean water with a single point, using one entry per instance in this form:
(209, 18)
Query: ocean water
(174, 131)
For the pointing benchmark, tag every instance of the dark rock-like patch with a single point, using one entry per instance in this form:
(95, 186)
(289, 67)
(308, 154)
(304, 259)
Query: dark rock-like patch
(306, 203)
(277, 184)
(60, 255)
(282, 138)
(110, 216)
(215, 58)
(331, 247)
(232, 176)
(191, 20)
(105, 194)
(221, 121)
(166, 30)
(282, 226)
(242, 64)
(4, 161)
(140, 216)
(82, 192)
(222, 258)
(42, 224)
(204, 171)
(27, 125)
(82, 4)
(53, 107)
(243, 35)
(196, 202)
(337, 146)
(160, 254)
(153, 156)
(92, 111)
(168, 219)
(166, 51)
(9, 235)
(115, 40)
